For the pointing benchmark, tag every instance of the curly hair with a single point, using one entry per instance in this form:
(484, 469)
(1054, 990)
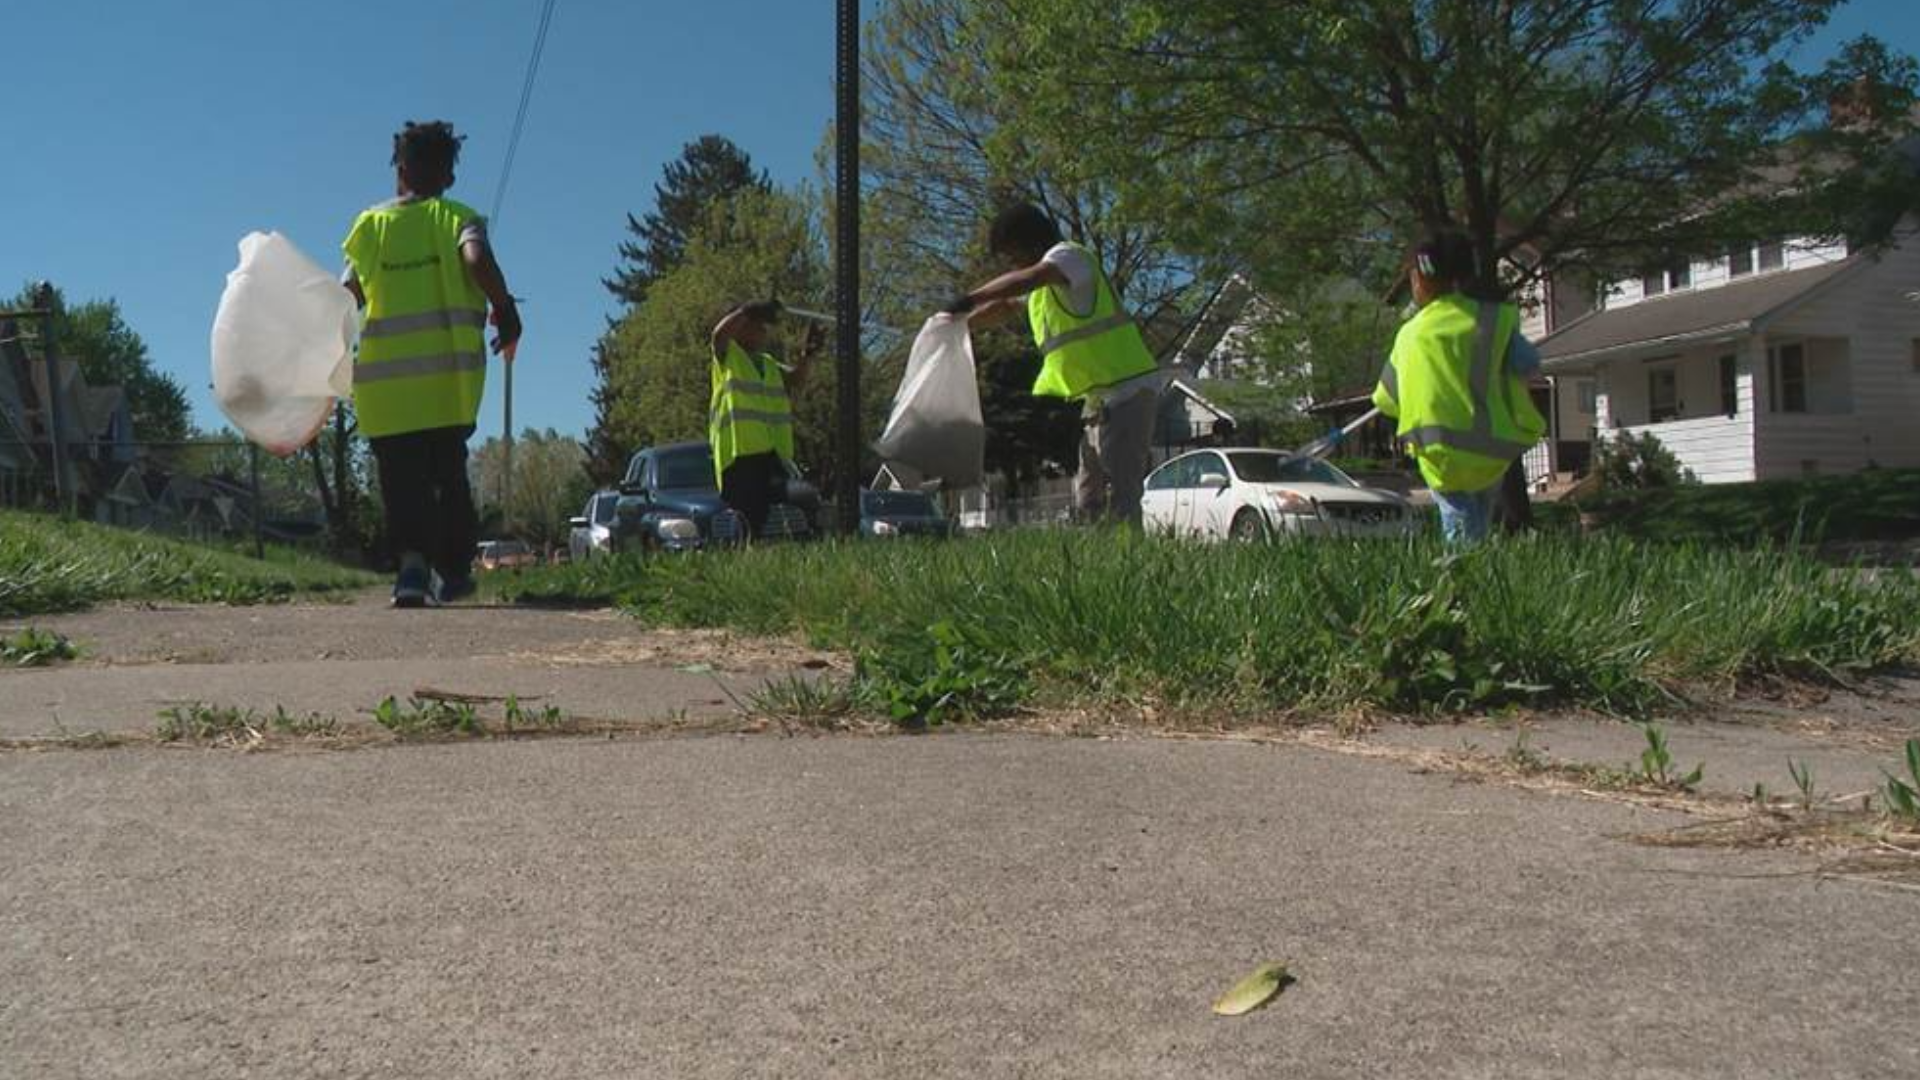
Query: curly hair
(428, 152)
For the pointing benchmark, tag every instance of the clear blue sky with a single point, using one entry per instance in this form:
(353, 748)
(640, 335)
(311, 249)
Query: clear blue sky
(145, 138)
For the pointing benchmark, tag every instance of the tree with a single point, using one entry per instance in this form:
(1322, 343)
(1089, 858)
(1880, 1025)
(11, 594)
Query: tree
(111, 353)
(1310, 138)
(755, 245)
(550, 485)
(710, 170)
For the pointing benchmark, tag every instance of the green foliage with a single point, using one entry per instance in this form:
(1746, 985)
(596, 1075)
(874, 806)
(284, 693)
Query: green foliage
(111, 353)
(32, 647)
(825, 703)
(1307, 139)
(518, 715)
(1802, 774)
(943, 672)
(710, 170)
(199, 722)
(550, 485)
(48, 565)
(1903, 793)
(1098, 616)
(429, 717)
(1656, 762)
(1629, 462)
(1876, 504)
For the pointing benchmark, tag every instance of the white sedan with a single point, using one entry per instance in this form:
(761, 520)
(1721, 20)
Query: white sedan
(1251, 494)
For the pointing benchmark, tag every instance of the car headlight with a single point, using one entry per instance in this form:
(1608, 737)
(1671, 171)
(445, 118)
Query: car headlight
(884, 528)
(1291, 502)
(677, 529)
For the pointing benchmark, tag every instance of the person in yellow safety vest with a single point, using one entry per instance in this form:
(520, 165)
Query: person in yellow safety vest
(1456, 384)
(1091, 352)
(750, 413)
(422, 269)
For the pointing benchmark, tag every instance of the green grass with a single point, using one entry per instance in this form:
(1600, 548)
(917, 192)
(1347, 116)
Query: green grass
(34, 647)
(49, 565)
(1877, 504)
(976, 627)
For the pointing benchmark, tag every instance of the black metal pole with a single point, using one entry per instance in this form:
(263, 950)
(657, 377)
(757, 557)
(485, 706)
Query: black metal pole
(846, 257)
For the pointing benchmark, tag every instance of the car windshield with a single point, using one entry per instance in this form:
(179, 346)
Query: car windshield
(1270, 468)
(899, 504)
(689, 468)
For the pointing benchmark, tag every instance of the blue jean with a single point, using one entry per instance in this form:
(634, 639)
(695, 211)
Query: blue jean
(1465, 516)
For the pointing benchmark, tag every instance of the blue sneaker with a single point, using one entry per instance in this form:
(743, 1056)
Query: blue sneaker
(410, 589)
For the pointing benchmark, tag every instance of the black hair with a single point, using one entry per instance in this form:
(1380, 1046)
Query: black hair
(428, 151)
(1446, 256)
(1021, 228)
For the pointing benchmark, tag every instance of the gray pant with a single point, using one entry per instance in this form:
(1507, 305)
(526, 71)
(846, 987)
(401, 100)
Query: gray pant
(1114, 451)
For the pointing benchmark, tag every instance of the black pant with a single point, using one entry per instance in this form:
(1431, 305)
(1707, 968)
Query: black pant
(423, 484)
(751, 485)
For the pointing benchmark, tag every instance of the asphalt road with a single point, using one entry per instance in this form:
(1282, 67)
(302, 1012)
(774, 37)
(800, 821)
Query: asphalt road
(964, 906)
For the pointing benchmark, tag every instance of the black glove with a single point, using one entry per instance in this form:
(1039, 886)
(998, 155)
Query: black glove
(959, 305)
(763, 311)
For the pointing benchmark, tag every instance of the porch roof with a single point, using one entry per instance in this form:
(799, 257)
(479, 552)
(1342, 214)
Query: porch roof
(1678, 318)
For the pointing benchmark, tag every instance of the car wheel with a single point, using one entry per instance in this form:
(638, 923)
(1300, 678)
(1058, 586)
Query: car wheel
(1248, 526)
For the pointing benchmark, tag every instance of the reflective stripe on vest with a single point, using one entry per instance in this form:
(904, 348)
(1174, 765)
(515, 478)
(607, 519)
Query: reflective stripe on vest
(422, 361)
(414, 367)
(1084, 353)
(443, 319)
(1463, 436)
(749, 411)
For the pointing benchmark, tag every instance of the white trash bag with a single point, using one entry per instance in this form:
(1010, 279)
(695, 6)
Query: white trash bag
(282, 344)
(936, 429)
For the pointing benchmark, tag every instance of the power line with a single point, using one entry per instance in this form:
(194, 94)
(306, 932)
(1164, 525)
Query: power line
(520, 115)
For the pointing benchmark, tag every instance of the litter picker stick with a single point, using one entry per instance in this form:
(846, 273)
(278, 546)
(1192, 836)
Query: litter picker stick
(822, 317)
(1323, 445)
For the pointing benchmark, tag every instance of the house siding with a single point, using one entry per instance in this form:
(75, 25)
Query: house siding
(1711, 273)
(1870, 419)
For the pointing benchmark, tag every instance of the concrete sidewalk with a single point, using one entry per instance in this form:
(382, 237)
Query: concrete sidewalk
(949, 906)
(342, 659)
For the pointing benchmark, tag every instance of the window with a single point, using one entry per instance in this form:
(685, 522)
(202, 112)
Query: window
(1739, 261)
(1663, 394)
(1266, 467)
(1654, 284)
(1589, 397)
(603, 508)
(1680, 275)
(1204, 464)
(689, 468)
(1171, 475)
(1916, 356)
(1729, 386)
(1773, 256)
(1790, 379)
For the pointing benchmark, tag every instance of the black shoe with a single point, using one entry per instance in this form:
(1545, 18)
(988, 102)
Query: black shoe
(457, 589)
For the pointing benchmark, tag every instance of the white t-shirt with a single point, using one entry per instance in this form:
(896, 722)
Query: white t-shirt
(1077, 268)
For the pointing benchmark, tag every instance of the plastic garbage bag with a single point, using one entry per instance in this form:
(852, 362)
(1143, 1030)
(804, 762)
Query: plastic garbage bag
(936, 429)
(282, 344)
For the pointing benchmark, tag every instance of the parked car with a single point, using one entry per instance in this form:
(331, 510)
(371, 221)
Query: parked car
(670, 501)
(1249, 494)
(591, 534)
(502, 554)
(902, 513)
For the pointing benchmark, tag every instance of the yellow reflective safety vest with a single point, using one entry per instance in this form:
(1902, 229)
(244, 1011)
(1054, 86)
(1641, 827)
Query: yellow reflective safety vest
(1085, 352)
(749, 411)
(423, 356)
(1463, 414)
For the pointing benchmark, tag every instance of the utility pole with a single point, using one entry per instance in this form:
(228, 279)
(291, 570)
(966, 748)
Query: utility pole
(846, 258)
(56, 424)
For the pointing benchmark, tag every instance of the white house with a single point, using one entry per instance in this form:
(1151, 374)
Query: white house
(1778, 360)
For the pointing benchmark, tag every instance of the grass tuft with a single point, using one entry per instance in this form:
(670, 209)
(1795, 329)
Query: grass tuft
(49, 565)
(973, 629)
(33, 647)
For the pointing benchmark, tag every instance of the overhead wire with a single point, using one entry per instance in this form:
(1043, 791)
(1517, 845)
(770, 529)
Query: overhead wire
(520, 113)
